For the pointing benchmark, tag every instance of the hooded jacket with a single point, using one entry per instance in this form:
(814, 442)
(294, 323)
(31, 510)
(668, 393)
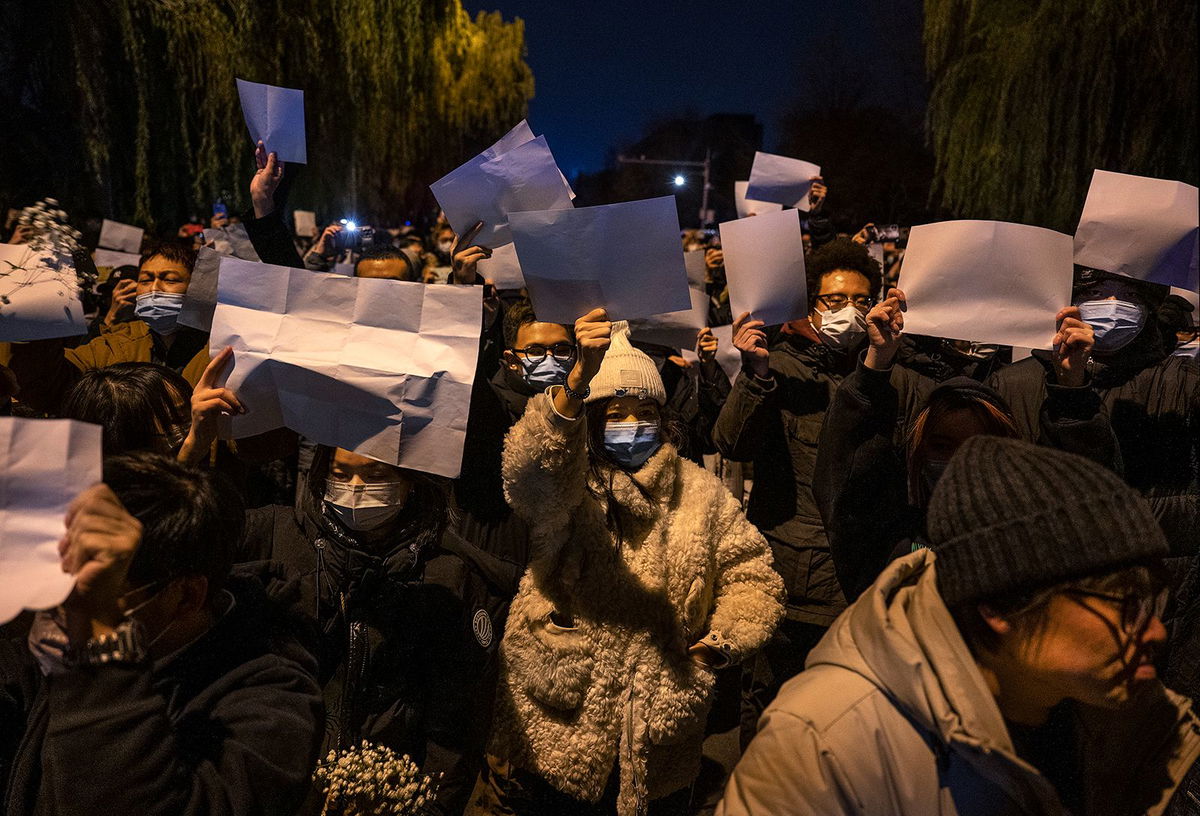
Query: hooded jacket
(594, 662)
(892, 716)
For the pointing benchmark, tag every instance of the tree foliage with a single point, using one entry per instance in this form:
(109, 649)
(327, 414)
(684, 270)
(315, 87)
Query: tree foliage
(128, 108)
(1027, 97)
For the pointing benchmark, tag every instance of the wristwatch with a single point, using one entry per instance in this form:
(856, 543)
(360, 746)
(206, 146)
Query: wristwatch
(122, 645)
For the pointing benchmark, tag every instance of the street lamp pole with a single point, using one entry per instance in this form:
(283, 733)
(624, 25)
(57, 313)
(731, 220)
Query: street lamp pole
(705, 166)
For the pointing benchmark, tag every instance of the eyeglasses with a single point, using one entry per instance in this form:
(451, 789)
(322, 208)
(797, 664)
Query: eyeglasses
(835, 302)
(536, 353)
(1136, 610)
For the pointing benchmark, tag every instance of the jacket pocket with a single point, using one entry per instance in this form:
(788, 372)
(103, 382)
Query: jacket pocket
(558, 665)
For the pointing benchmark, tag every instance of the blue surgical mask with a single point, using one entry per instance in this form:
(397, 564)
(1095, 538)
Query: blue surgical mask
(546, 372)
(1115, 322)
(159, 310)
(630, 444)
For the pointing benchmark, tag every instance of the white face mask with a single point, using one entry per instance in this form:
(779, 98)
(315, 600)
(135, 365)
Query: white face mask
(842, 328)
(365, 507)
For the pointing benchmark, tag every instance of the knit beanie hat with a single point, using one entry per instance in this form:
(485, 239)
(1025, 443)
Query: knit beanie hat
(626, 371)
(1009, 517)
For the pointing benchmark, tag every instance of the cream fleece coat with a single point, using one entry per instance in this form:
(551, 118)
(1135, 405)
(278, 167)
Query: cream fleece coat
(892, 717)
(594, 663)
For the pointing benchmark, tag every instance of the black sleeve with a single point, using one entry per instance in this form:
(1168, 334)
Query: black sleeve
(859, 480)
(272, 241)
(1071, 419)
(714, 390)
(110, 746)
(742, 423)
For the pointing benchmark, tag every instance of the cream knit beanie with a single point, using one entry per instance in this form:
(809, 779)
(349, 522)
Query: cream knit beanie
(626, 371)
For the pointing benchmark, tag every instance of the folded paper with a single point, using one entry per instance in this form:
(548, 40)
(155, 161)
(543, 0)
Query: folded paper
(121, 237)
(986, 281)
(39, 295)
(522, 178)
(380, 367)
(503, 269)
(44, 465)
(275, 116)
(764, 265)
(678, 329)
(781, 180)
(624, 257)
(1140, 227)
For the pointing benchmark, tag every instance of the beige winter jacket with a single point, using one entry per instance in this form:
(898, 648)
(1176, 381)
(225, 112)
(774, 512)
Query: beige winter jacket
(892, 716)
(595, 669)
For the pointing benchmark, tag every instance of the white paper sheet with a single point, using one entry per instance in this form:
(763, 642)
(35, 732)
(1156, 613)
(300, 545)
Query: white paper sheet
(1143, 228)
(674, 329)
(380, 367)
(522, 179)
(306, 223)
(44, 465)
(503, 268)
(121, 237)
(624, 257)
(112, 259)
(986, 281)
(275, 116)
(729, 358)
(749, 206)
(764, 264)
(39, 295)
(781, 179)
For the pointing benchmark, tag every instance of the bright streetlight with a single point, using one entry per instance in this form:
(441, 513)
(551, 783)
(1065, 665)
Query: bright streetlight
(679, 181)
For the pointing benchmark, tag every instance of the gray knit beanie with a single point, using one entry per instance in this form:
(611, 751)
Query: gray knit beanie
(1009, 517)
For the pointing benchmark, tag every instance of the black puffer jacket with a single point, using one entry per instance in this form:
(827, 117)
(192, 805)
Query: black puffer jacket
(229, 725)
(776, 425)
(408, 630)
(1154, 409)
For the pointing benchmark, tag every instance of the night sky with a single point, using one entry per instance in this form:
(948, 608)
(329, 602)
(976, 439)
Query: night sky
(603, 70)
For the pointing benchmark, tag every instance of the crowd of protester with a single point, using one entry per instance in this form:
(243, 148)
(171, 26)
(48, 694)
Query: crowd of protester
(896, 574)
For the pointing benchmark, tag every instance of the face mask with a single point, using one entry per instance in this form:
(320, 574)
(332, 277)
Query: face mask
(630, 444)
(365, 507)
(159, 310)
(1115, 322)
(544, 373)
(844, 327)
(445, 246)
(1189, 349)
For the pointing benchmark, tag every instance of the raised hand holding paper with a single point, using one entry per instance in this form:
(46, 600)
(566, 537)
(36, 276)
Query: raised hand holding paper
(380, 367)
(986, 281)
(275, 116)
(764, 264)
(39, 295)
(749, 206)
(121, 237)
(1140, 227)
(626, 258)
(44, 465)
(522, 178)
(781, 179)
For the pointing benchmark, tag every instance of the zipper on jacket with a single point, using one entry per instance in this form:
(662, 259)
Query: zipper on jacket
(320, 545)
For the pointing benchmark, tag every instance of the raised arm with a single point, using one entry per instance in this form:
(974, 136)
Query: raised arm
(741, 425)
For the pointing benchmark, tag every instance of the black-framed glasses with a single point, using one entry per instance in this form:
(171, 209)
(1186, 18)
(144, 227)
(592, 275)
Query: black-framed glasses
(839, 301)
(1136, 610)
(537, 352)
